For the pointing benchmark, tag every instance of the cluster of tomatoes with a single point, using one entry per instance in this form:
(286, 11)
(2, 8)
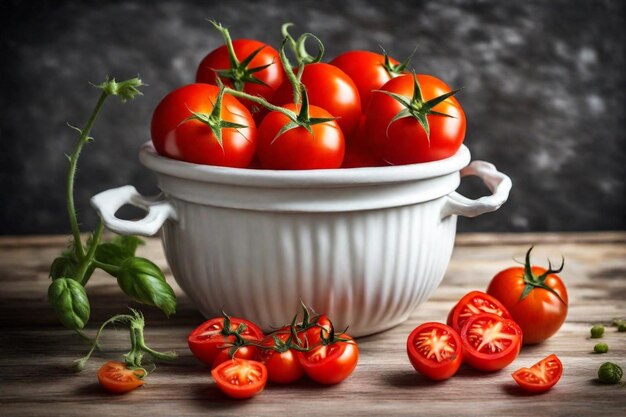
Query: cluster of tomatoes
(251, 108)
(243, 359)
(486, 331)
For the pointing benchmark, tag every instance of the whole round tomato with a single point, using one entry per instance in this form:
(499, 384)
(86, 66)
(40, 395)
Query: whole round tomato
(435, 350)
(368, 70)
(115, 377)
(541, 376)
(332, 363)
(269, 78)
(297, 148)
(404, 140)
(282, 367)
(358, 154)
(176, 134)
(240, 378)
(473, 303)
(490, 342)
(329, 88)
(320, 328)
(535, 297)
(207, 341)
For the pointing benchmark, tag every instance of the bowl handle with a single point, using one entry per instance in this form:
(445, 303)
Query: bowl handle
(498, 183)
(108, 202)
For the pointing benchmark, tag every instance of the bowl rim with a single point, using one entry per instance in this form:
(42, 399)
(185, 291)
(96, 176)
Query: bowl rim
(341, 177)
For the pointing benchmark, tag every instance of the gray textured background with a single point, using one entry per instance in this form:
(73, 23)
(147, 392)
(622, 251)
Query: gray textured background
(544, 92)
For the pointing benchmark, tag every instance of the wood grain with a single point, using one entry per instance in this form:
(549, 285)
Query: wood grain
(35, 351)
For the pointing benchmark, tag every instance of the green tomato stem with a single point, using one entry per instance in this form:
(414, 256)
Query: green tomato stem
(261, 101)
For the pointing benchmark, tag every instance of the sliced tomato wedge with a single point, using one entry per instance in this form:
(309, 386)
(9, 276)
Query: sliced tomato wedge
(435, 350)
(240, 378)
(490, 342)
(541, 376)
(115, 377)
(475, 302)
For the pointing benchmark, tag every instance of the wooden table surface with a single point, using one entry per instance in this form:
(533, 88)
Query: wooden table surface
(36, 352)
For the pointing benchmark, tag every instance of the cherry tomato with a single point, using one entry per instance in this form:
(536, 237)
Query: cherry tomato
(541, 311)
(490, 342)
(330, 364)
(193, 140)
(297, 148)
(367, 70)
(270, 77)
(472, 303)
(244, 352)
(313, 335)
(282, 367)
(358, 154)
(240, 378)
(329, 88)
(404, 141)
(541, 376)
(117, 378)
(207, 341)
(435, 350)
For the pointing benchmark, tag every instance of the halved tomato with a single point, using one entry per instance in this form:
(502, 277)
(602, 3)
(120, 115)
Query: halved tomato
(490, 342)
(115, 377)
(475, 302)
(240, 378)
(435, 350)
(541, 376)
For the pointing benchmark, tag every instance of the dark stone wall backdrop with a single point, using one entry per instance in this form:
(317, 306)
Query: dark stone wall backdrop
(544, 92)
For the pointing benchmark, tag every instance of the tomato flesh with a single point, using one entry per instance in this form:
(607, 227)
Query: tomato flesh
(435, 350)
(541, 376)
(475, 302)
(330, 364)
(240, 378)
(490, 342)
(115, 377)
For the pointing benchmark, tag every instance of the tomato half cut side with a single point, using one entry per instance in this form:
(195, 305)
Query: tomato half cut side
(330, 364)
(541, 376)
(435, 350)
(475, 302)
(115, 377)
(490, 342)
(240, 378)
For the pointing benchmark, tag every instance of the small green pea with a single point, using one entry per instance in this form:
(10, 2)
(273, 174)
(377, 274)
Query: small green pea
(601, 348)
(597, 331)
(609, 373)
(616, 322)
(621, 327)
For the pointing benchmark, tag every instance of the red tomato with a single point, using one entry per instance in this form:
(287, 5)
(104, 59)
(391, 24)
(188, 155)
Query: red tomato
(282, 367)
(207, 341)
(473, 303)
(297, 148)
(367, 70)
(240, 378)
(329, 88)
(244, 352)
(541, 376)
(358, 154)
(270, 77)
(117, 378)
(313, 335)
(542, 311)
(435, 350)
(490, 342)
(194, 140)
(330, 364)
(404, 141)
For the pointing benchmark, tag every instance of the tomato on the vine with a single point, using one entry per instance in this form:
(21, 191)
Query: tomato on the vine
(473, 303)
(329, 88)
(435, 350)
(240, 378)
(535, 297)
(541, 376)
(414, 119)
(189, 125)
(117, 378)
(330, 363)
(490, 342)
(208, 341)
(282, 367)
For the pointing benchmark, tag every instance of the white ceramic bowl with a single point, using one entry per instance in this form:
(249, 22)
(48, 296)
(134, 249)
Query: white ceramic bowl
(365, 245)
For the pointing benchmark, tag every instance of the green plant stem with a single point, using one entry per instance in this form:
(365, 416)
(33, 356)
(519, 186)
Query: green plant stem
(262, 102)
(71, 210)
(110, 269)
(88, 260)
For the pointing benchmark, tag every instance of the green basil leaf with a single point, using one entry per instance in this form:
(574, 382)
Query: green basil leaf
(130, 243)
(70, 302)
(143, 281)
(112, 254)
(63, 266)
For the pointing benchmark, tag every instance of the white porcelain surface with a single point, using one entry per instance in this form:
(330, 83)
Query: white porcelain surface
(365, 245)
